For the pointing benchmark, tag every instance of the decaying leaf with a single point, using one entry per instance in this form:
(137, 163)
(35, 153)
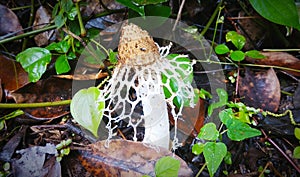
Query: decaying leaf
(281, 59)
(260, 89)
(48, 90)
(125, 158)
(12, 74)
(192, 119)
(35, 163)
(9, 22)
(42, 18)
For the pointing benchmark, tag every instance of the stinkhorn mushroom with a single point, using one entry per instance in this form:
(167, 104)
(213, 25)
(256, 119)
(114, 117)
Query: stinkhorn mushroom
(141, 66)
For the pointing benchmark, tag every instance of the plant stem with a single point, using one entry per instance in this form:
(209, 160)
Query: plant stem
(28, 34)
(29, 23)
(200, 171)
(82, 29)
(211, 18)
(33, 105)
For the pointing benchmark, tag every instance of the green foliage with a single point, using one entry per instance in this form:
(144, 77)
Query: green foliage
(63, 149)
(236, 119)
(147, 2)
(209, 132)
(296, 153)
(87, 110)
(34, 61)
(167, 166)
(62, 11)
(278, 11)
(223, 97)
(214, 153)
(238, 41)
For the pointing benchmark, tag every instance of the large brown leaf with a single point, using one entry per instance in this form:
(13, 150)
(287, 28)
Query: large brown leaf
(125, 158)
(260, 89)
(281, 59)
(12, 74)
(9, 22)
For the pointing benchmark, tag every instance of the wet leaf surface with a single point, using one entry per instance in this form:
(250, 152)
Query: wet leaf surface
(12, 75)
(260, 89)
(136, 159)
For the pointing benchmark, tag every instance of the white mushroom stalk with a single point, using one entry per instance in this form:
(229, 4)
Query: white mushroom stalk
(142, 63)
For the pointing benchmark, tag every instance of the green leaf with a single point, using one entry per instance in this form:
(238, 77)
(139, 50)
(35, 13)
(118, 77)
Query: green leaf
(197, 149)
(255, 54)
(296, 153)
(278, 11)
(214, 153)
(34, 61)
(72, 13)
(227, 158)
(62, 64)
(237, 39)
(67, 5)
(158, 10)
(202, 93)
(167, 166)
(221, 49)
(209, 132)
(223, 99)
(87, 110)
(237, 55)
(146, 2)
(226, 115)
(238, 130)
(297, 133)
(60, 47)
(60, 20)
(113, 56)
(131, 5)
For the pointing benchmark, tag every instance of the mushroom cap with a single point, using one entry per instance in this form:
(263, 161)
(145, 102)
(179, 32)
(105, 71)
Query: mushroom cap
(136, 46)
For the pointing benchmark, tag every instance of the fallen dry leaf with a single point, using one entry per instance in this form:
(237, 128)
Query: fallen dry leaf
(125, 158)
(34, 162)
(12, 74)
(260, 89)
(281, 59)
(9, 22)
(48, 90)
(192, 119)
(42, 18)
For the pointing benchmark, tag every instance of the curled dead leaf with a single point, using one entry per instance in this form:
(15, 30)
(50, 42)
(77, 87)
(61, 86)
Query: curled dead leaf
(9, 22)
(125, 158)
(281, 59)
(260, 89)
(42, 18)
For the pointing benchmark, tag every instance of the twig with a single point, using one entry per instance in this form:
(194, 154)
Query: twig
(179, 14)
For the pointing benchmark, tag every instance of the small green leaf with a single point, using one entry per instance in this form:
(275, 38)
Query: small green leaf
(113, 56)
(223, 99)
(214, 153)
(297, 133)
(67, 5)
(237, 39)
(237, 55)
(60, 47)
(146, 2)
(87, 110)
(227, 158)
(226, 115)
(158, 10)
(34, 61)
(278, 11)
(62, 64)
(238, 130)
(197, 149)
(255, 54)
(209, 132)
(296, 153)
(191, 29)
(139, 9)
(167, 166)
(72, 13)
(60, 20)
(221, 49)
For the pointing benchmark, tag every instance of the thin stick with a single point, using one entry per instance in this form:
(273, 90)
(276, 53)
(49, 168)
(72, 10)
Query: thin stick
(179, 14)
(33, 105)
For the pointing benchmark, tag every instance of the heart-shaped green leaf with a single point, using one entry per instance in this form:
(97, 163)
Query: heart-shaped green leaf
(221, 49)
(237, 39)
(237, 55)
(62, 64)
(34, 61)
(214, 153)
(87, 110)
(209, 132)
(167, 166)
